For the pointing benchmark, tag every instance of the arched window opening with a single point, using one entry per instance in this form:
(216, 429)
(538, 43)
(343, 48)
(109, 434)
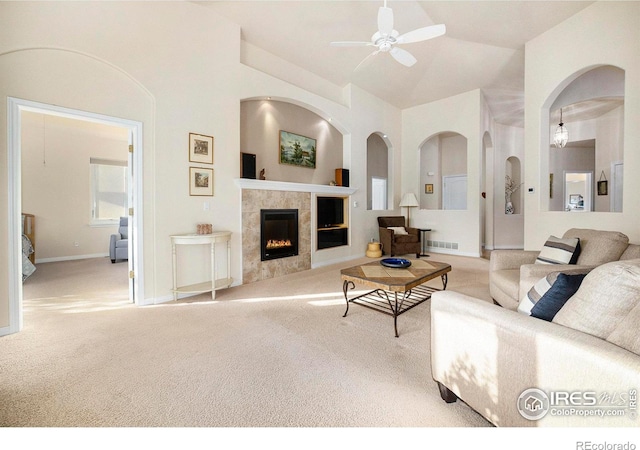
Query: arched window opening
(378, 178)
(443, 172)
(586, 173)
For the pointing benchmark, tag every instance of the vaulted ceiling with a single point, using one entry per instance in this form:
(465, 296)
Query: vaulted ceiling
(483, 47)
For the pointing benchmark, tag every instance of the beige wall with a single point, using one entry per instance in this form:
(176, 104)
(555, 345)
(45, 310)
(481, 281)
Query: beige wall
(260, 125)
(56, 182)
(420, 124)
(549, 68)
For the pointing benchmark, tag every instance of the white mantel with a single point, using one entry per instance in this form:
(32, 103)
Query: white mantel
(248, 183)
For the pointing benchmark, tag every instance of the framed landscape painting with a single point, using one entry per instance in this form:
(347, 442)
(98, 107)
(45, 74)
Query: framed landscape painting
(200, 148)
(200, 181)
(297, 150)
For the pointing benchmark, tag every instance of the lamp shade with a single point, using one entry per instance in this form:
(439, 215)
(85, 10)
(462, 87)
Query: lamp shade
(409, 200)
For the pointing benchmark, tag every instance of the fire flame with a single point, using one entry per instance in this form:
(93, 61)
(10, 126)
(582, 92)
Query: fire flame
(274, 243)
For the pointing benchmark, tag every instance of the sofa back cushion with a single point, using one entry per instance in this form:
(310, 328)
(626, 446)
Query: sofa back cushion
(598, 247)
(607, 305)
(632, 252)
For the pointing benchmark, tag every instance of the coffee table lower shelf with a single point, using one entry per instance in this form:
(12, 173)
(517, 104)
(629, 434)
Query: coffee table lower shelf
(390, 303)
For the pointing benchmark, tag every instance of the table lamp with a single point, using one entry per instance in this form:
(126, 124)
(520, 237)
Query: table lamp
(409, 201)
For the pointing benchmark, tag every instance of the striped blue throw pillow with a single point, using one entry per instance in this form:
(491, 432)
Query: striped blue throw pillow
(559, 251)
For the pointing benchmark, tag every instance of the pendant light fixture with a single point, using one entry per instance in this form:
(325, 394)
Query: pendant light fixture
(561, 135)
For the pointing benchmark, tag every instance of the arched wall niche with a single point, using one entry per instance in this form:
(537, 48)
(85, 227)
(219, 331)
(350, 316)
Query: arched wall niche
(443, 171)
(379, 180)
(262, 119)
(590, 104)
(513, 185)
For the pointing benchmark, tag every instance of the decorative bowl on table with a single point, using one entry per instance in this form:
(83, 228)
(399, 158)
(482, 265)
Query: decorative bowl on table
(395, 263)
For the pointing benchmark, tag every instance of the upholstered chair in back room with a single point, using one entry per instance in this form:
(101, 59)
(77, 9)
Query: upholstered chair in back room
(396, 238)
(119, 242)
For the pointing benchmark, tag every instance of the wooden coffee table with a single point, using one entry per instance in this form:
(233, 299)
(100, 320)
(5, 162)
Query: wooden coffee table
(395, 291)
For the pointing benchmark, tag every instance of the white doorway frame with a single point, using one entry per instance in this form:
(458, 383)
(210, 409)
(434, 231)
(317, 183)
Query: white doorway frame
(589, 190)
(15, 107)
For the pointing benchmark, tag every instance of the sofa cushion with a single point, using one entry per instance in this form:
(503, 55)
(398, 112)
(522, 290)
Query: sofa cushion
(607, 304)
(406, 238)
(507, 281)
(559, 251)
(632, 252)
(554, 299)
(598, 247)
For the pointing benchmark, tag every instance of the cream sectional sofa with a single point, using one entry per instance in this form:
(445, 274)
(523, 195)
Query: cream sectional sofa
(513, 272)
(498, 361)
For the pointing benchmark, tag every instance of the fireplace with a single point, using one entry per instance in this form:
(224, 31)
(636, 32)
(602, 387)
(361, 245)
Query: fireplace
(278, 233)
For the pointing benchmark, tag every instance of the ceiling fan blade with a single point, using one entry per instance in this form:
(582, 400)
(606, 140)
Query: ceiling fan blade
(350, 44)
(402, 56)
(366, 59)
(385, 20)
(422, 34)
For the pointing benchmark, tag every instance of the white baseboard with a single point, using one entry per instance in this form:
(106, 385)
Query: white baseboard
(447, 251)
(71, 258)
(169, 298)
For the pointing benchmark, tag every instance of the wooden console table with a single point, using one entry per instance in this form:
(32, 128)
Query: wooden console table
(202, 239)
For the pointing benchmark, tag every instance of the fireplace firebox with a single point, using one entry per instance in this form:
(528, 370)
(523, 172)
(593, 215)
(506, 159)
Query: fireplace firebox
(278, 233)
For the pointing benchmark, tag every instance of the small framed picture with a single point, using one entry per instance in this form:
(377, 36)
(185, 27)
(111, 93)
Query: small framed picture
(603, 188)
(200, 148)
(428, 188)
(200, 181)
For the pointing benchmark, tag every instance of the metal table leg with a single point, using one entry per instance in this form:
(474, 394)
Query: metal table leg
(345, 288)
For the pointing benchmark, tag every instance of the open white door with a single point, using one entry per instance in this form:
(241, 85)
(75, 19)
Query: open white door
(130, 203)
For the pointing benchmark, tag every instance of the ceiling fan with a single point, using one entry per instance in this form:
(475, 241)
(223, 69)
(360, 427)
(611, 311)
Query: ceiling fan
(386, 38)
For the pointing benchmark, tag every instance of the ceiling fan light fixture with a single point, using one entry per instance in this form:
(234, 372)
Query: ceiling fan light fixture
(386, 38)
(561, 136)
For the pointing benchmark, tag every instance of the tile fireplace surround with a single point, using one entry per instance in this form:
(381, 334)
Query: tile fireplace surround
(259, 194)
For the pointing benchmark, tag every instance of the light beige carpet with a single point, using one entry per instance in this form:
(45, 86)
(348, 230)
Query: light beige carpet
(275, 353)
